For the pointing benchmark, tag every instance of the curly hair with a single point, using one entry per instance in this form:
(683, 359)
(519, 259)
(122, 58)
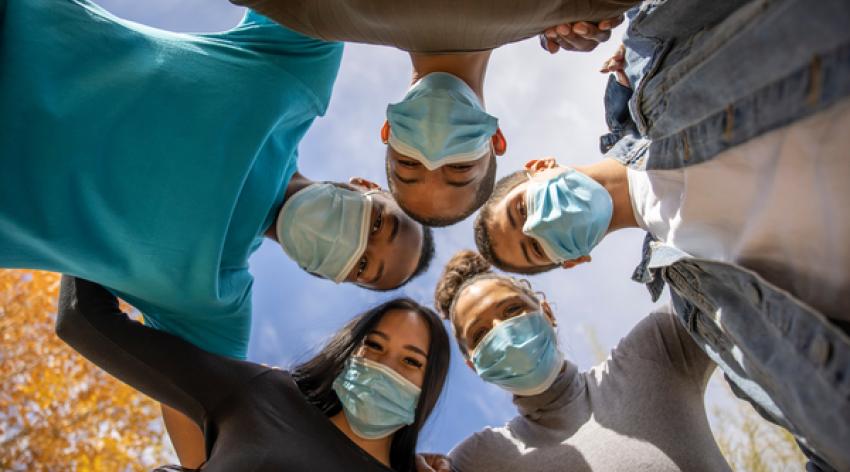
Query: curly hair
(464, 269)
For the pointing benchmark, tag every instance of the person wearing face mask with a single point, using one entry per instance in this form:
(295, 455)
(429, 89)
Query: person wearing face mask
(358, 404)
(755, 222)
(155, 163)
(733, 124)
(641, 409)
(441, 142)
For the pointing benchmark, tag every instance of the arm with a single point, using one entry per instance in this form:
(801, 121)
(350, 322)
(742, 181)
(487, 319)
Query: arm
(186, 437)
(662, 339)
(158, 364)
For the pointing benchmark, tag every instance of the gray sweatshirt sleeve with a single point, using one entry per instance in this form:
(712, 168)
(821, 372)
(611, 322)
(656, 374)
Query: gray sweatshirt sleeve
(662, 339)
(432, 26)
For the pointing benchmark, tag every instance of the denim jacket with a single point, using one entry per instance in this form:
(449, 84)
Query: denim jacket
(711, 74)
(705, 82)
(781, 355)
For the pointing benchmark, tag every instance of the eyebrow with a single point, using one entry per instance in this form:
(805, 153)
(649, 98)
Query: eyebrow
(511, 219)
(409, 347)
(524, 246)
(394, 231)
(378, 275)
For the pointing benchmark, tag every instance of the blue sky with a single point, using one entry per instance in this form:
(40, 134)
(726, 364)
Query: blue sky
(547, 106)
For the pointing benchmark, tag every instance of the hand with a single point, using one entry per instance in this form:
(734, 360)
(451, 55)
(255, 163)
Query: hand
(433, 463)
(616, 65)
(538, 165)
(578, 36)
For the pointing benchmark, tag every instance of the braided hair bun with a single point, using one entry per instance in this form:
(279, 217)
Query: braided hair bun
(461, 267)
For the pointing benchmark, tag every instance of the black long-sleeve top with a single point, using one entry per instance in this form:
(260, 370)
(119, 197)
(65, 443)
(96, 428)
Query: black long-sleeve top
(254, 418)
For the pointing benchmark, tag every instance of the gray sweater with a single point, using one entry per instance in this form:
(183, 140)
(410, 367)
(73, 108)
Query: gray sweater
(432, 25)
(640, 410)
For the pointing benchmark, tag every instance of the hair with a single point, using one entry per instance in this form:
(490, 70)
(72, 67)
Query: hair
(464, 269)
(315, 377)
(482, 226)
(482, 193)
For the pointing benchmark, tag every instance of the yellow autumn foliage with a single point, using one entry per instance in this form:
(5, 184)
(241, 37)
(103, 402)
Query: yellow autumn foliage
(58, 411)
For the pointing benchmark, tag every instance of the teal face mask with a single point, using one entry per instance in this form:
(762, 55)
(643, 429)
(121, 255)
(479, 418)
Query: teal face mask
(377, 400)
(324, 228)
(567, 214)
(440, 121)
(520, 355)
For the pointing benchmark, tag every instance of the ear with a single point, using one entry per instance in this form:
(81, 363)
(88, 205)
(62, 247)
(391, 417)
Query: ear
(575, 262)
(538, 165)
(362, 183)
(500, 144)
(547, 310)
(385, 132)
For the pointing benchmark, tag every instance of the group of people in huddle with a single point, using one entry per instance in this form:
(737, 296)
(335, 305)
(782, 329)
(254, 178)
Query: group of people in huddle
(148, 166)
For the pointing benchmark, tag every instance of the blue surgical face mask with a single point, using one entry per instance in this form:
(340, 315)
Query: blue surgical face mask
(567, 214)
(440, 121)
(325, 228)
(377, 400)
(520, 355)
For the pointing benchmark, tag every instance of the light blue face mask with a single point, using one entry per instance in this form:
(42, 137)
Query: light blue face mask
(324, 228)
(440, 121)
(520, 355)
(377, 400)
(567, 214)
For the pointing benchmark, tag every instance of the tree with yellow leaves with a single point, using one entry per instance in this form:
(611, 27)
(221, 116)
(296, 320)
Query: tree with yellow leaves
(57, 410)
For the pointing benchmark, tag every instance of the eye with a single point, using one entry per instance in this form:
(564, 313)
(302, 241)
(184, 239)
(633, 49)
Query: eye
(513, 309)
(537, 248)
(520, 207)
(460, 167)
(408, 163)
(373, 344)
(362, 264)
(376, 226)
(477, 335)
(413, 362)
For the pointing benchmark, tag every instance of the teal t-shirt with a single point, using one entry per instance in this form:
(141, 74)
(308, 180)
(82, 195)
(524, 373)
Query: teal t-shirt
(149, 161)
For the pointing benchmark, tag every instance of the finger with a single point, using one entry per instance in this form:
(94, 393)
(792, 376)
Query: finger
(548, 44)
(530, 164)
(422, 465)
(611, 23)
(623, 79)
(563, 30)
(550, 162)
(443, 465)
(575, 43)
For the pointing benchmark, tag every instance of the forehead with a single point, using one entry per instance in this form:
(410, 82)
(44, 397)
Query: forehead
(482, 297)
(504, 237)
(402, 255)
(405, 327)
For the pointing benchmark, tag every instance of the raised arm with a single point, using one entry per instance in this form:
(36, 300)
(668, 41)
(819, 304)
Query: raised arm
(158, 364)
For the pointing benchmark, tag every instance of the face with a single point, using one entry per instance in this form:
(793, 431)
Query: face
(442, 193)
(399, 341)
(393, 249)
(482, 305)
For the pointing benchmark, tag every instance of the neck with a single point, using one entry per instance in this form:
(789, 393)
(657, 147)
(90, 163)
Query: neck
(612, 175)
(377, 448)
(296, 183)
(470, 67)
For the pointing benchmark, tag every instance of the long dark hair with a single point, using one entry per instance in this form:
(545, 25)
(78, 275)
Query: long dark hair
(315, 377)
